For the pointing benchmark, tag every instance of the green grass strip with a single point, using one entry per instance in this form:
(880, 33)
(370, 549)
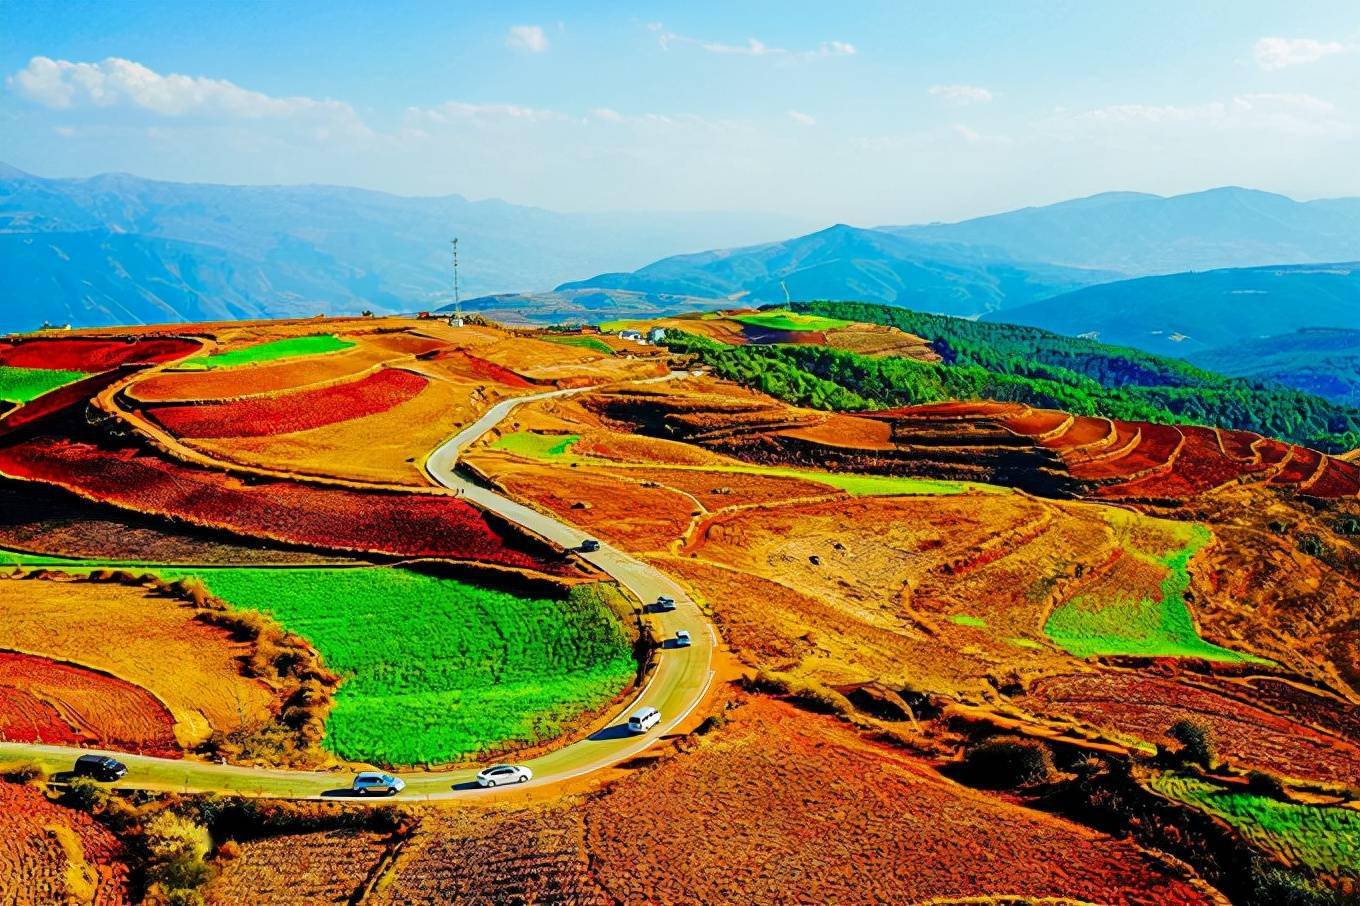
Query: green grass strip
(1322, 838)
(434, 670)
(592, 343)
(788, 320)
(1086, 627)
(270, 351)
(19, 385)
(557, 446)
(965, 619)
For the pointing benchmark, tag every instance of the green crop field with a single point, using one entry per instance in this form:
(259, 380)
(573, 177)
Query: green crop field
(19, 385)
(268, 352)
(1141, 625)
(592, 343)
(539, 446)
(434, 670)
(788, 320)
(1319, 837)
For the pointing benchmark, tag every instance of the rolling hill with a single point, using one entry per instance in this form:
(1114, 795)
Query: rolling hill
(1322, 361)
(1184, 314)
(1141, 234)
(116, 248)
(848, 262)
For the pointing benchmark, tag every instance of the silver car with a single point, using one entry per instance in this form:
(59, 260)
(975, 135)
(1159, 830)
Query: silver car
(501, 774)
(379, 783)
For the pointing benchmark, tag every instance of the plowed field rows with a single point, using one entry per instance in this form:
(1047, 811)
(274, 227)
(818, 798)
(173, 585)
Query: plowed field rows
(314, 408)
(77, 706)
(153, 643)
(51, 854)
(297, 869)
(787, 806)
(506, 855)
(418, 525)
(1338, 479)
(1145, 707)
(89, 355)
(1157, 444)
(1200, 466)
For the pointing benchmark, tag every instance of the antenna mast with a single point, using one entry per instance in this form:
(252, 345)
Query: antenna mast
(457, 300)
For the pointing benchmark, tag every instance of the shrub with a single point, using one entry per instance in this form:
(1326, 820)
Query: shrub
(1266, 784)
(1197, 744)
(1348, 525)
(1312, 545)
(84, 794)
(23, 772)
(177, 849)
(1273, 886)
(1009, 762)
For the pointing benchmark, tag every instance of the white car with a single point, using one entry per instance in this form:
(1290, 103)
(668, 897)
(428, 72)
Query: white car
(643, 720)
(378, 782)
(501, 774)
(682, 639)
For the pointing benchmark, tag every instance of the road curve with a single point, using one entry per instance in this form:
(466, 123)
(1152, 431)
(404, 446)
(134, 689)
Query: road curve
(675, 686)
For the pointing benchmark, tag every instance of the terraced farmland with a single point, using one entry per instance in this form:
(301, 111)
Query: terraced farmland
(272, 350)
(50, 854)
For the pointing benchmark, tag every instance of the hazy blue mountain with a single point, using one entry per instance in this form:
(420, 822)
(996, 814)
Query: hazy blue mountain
(1149, 234)
(582, 306)
(147, 247)
(1319, 360)
(1183, 314)
(843, 262)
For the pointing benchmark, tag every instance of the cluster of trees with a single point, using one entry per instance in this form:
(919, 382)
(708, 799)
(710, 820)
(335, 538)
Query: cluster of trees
(1028, 365)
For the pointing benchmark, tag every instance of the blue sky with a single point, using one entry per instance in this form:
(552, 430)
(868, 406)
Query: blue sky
(859, 112)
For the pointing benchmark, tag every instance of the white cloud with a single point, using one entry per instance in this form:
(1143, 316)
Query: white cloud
(116, 82)
(962, 94)
(607, 114)
(461, 111)
(754, 47)
(1292, 114)
(529, 38)
(1279, 53)
(802, 118)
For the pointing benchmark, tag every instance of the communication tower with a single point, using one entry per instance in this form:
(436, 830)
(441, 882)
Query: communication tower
(456, 319)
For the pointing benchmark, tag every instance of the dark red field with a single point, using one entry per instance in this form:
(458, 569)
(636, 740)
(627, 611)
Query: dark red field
(408, 525)
(93, 354)
(288, 412)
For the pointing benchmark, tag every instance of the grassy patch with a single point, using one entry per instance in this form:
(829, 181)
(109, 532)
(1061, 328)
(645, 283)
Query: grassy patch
(594, 344)
(271, 350)
(556, 446)
(19, 385)
(1163, 627)
(434, 670)
(539, 446)
(1323, 838)
(789, 320)
(964, 619)
(622, 324)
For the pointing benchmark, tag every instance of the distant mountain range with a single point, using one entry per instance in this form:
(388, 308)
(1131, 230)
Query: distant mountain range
(1318, 360)
(1184, 314)
(582, 306)
(1148, 234)
(120, 249)
(844, 262)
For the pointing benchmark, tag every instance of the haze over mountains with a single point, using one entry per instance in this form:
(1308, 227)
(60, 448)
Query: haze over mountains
(117, 249)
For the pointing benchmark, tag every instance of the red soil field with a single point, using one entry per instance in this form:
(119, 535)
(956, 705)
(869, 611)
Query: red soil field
(1040, 422)
(481, 368)
(1240, 445)
(788, 807)
(52, 854)
(411, 525)
(1157, 445)
(1337, 479)
(1249, 736)
(75, 354)
(1302, 465)
(1200, 466)
(312, 408)
(1084, 432)
(42, 700)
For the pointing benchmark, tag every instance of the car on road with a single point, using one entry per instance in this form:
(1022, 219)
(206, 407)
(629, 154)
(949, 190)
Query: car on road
(100, 767)
(644, 719)
(589, 546)
(682, 639)
(501, 774)
(378, 782)
(664, 604)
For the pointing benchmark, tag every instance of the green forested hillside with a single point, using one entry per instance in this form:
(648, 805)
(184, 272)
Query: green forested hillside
(1023, 364)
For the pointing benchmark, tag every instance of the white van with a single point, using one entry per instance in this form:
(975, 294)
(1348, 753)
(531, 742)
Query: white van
(644, 720)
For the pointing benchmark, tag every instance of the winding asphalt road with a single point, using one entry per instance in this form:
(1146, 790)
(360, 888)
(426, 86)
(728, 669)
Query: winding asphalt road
(675, 686)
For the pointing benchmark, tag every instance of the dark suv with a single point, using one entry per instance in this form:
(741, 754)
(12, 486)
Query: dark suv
(100, 767)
